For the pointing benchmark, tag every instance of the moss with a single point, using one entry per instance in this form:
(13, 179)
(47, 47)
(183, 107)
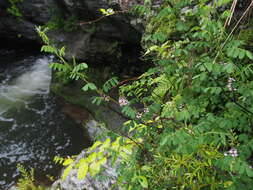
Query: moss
(75, 96)
(70, 96)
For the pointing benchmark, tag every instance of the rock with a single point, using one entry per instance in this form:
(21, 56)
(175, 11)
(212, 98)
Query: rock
(34, 12)
(13, 188)
(78, 114)
(98, 42)
(108, 176)
(107, 114)
(108, 179)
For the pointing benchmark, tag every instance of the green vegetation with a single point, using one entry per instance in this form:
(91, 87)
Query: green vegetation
(27, 181)
(13, 9)
(66, 72)
(68, 25)
(195, 129)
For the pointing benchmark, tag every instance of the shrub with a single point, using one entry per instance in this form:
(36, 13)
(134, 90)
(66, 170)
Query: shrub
(195, 129)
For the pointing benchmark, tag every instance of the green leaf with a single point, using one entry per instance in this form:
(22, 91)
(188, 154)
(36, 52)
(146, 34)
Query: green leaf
(181, 26)
(97, 100)
(223, 2)
(86, 87)
(127, 149)
(128, 111)
(49, 49)
(89, 86)
(92, 157)
(183, 115)
(110, 84)
(83, 169)
(229, 68)
(94, 168)
(241, 54)
(102, 161)
(143, 181)
(105, 145)
(68, 162)
(94, 146)
(92, 86)
(242, 169)
(249, 172)
(209, 66)
(249, 54)
(62, 51)
(66, 172)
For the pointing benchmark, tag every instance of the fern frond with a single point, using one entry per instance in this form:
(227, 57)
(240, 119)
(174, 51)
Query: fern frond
(163, 85)
(49, 49)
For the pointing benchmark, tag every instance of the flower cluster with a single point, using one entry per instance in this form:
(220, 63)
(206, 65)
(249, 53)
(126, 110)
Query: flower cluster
(230, 84)
(232, 152)
(105, 98)
(123, 101)
(139, 114)
(181, 107)
(145, 110)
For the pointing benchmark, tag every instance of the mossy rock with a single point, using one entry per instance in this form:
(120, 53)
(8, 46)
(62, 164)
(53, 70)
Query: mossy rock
(107, 114)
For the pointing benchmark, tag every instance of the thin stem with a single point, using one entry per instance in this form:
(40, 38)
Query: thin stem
(102, 17)
(230, 34)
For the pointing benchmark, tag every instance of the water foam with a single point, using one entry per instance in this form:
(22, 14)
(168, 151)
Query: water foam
(35, 80)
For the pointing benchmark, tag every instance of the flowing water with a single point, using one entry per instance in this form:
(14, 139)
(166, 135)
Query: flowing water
(32, 127)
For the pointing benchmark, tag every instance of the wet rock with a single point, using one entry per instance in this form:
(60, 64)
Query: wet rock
(109, 114)
(34, 12)
(79, 115)
(106, 180)
(13, 188)
(95, 42)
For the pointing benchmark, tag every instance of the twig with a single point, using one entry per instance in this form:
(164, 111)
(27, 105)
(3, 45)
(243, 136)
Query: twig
(232, 9)
(102, 17)
(126, 81)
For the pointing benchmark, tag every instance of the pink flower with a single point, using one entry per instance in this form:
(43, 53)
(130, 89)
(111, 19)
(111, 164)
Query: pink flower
(123, 101)
(232, 152)
(106, 98)
(138, 115)
(230, 84)
(145, 110)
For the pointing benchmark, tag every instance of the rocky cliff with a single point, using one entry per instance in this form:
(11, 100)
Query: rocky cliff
(105, 41)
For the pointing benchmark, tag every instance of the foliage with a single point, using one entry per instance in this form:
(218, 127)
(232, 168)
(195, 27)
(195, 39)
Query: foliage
(195, 130)
(198, 102)
(66, 71)
(27, 181)
(67, 25)
(13, 9)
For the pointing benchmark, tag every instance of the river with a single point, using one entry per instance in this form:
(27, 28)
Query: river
(33, 128)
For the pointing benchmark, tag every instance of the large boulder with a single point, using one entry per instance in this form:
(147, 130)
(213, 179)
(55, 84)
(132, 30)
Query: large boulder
(34, 12)
(107, 179)
(106, 40)
(96, 40)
